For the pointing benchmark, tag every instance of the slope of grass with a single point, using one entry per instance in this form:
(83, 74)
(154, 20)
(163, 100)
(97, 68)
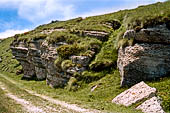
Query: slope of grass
(8, 105)
(8, 64)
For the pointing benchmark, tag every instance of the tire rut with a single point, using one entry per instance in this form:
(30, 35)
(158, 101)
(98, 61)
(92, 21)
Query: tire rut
(62, 107)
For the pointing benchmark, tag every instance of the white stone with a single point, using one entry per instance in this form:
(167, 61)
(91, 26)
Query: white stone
(151, 106)
(135, 94)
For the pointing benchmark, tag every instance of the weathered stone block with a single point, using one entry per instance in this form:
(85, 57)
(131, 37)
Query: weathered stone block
(151, 106)
(135, 94)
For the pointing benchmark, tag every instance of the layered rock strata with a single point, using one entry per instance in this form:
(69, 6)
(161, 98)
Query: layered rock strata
(148, 59)
(37, 58)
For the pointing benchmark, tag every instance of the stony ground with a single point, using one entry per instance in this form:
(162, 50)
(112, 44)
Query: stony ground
(31, 102)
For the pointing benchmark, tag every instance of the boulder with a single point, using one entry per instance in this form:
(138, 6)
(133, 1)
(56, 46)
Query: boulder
(151, 106)
(135, 94)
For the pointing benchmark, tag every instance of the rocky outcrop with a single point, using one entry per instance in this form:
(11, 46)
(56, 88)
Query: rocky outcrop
(37, 59)
(157, 34)
(99, 35)
(148, 59)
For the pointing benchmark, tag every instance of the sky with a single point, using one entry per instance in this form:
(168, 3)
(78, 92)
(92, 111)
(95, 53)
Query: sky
(18, 16)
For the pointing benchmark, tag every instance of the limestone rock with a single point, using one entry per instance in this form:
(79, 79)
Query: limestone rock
(99, 35)
(157, 34)
(37, 59)
(40, 73)
(29, 70)
(135, 94)
(52, 30)
(151, 106)
(143, 62)
(83, 60)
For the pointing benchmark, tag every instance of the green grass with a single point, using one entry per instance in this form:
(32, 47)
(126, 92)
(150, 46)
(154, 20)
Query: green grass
(8, 105)
(163, 91)
(8, 63)
(98, 99)
(107, 57)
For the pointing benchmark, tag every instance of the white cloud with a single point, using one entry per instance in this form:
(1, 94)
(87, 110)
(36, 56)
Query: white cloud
(40, 11)
(9, 33)
(43, 11)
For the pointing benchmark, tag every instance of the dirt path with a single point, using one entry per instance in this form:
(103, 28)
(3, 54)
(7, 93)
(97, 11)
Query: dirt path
(62, 107)
(27, 106)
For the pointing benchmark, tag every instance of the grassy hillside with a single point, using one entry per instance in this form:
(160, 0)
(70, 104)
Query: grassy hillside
(8, 63)
(103, 70)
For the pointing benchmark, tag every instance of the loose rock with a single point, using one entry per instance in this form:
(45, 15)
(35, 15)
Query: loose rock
(135, 94)
(151, 106)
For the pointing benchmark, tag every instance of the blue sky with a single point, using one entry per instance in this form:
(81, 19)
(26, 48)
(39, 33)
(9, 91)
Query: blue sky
(17, 16)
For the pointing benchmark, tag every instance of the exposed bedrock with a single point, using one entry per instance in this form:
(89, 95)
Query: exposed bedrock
(148, 59)
(38, 62)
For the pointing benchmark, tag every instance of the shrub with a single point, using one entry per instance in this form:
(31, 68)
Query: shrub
(66, 64)
(65, 51)
(125, 42)
(71, 84)
(107, 56)
(61, 36)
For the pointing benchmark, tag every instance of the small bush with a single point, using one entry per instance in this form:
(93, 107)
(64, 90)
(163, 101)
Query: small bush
(65, 51)
(107, 56)
(58, 61)
(66, 64)
(71, 84)
(61, 36)
(125, 42)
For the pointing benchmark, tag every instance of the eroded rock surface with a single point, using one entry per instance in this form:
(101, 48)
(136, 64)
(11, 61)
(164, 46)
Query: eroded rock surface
(37, 59)
(151, 106)
(148, 59)
(143, 62)
(135, 94)
(157, 34)
(99, 35)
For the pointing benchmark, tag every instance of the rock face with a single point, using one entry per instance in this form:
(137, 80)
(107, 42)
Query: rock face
(37, 59)
(148, 59)
(151, 106)
(157, 34)
(99, 35)
(135, 94)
